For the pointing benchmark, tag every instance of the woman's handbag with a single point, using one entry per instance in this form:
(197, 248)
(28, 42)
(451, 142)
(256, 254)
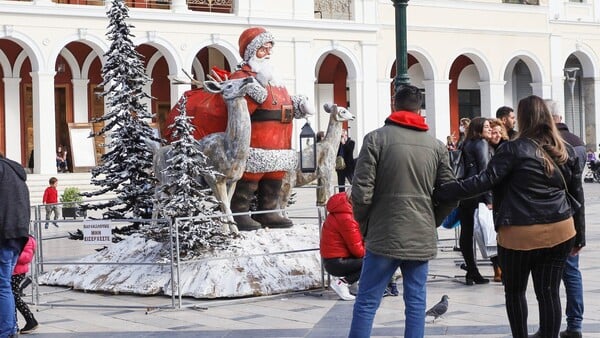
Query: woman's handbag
(484, 232)
(340, 164)
(451, 221)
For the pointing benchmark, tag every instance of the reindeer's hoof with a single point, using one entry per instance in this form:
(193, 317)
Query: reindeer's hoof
(233, 228)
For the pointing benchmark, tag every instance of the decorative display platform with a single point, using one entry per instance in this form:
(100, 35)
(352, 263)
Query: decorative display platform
(254, 265)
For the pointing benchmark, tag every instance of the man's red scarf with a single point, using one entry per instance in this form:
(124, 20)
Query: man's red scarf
(408, 119)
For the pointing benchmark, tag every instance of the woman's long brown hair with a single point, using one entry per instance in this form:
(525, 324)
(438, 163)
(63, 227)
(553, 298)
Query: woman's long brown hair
(475, 130)
(535, 122)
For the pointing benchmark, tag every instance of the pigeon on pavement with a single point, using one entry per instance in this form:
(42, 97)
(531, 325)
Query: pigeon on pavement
(438, 309)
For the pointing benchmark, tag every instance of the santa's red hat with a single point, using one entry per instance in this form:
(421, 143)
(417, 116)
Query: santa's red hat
(252, 39)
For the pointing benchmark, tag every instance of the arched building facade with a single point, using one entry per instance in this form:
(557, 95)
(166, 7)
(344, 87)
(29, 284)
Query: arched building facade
(469, 58)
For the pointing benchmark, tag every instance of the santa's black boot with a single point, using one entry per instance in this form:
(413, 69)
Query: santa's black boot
(240, 202)
(268, 199)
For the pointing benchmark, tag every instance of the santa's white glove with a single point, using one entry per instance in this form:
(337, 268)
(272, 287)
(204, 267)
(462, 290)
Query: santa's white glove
(302, 107)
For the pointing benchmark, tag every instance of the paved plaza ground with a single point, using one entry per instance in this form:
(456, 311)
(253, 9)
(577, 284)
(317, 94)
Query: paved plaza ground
(474, 311)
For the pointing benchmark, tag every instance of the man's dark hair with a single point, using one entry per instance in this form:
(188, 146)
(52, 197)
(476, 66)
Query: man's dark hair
(408, 98)
(503, 111)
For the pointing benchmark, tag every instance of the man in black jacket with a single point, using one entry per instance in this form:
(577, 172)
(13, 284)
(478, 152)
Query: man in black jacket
(14, 231)
(571, 275)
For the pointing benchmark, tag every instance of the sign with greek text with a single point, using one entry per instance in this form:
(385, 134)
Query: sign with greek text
(97, 232)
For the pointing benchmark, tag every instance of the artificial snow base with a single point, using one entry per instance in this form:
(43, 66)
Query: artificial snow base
(252, 266)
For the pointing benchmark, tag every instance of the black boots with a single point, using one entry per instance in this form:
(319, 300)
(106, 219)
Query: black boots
(240, 202)
(268, 199)
(473, 276)
(30, 325)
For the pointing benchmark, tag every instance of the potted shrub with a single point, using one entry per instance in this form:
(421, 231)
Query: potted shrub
(71, 198)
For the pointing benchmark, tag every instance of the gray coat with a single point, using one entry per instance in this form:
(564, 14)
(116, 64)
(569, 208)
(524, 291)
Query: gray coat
(14, 202)
(396, 172)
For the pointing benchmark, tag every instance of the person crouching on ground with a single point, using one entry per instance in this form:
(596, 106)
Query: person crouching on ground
(18, 276)
(341, 245)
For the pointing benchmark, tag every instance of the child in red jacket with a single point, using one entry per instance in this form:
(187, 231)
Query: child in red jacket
(19, 272)
(342, 248)
(50, 198)
(341, 245)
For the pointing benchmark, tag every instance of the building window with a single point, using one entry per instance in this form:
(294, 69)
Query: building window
(469, 103)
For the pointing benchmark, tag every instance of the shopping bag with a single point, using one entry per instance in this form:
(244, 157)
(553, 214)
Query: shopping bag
(451, 221)
(484, 232)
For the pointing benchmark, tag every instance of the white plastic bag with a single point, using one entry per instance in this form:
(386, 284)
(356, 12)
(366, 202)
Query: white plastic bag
(484, 232)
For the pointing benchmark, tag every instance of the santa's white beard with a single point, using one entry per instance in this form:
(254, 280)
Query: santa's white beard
(265, 73)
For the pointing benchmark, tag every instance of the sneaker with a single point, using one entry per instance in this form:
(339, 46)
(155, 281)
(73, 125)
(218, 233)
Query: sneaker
(341, 288)
(31, 325)
(393, 289)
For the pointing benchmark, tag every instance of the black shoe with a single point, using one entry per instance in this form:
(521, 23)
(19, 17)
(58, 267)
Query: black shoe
(475, 277)
(570, 334)
(31, 325)
(535, 335)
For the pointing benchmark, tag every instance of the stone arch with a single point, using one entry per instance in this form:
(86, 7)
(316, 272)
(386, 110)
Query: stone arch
(535, 67)
(5, 64)
(30, 48)
(482, 64)
(353, 78)
(167, 50)
(345, 54)
(97, 44)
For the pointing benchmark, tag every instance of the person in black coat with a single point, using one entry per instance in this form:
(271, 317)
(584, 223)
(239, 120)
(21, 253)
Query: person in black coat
(14, 233)
(476, 155)
(346, 150)
(538, 213)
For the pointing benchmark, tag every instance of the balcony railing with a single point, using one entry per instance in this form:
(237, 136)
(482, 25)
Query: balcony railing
(523, 2)
(213, 6)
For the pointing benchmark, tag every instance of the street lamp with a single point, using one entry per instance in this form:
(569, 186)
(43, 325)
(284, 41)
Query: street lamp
(571, 77)
(401, 50)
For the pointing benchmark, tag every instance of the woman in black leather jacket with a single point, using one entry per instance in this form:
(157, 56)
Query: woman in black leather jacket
(538, 224)
(476, 155)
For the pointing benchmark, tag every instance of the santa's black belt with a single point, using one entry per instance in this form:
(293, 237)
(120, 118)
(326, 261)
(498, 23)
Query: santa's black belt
(284, 115)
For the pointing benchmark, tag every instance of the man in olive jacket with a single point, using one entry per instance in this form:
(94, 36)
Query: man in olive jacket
(397, 169)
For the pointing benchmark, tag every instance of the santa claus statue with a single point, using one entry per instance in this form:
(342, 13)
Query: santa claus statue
(271, 136)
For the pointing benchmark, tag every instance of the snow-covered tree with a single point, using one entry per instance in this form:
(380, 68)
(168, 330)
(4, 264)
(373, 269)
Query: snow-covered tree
(126, 167)
(183, 194)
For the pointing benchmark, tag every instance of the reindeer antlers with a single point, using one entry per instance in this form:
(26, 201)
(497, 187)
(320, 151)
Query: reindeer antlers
(192, 81)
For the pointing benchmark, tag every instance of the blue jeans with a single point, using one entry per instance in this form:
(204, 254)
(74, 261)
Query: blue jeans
(574, 290)
(376, 273)
(8, 319)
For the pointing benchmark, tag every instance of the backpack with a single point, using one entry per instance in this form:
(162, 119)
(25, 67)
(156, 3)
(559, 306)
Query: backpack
(457, 163)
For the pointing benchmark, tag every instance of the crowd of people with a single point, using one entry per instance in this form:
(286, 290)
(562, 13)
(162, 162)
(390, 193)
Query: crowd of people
(531, 179)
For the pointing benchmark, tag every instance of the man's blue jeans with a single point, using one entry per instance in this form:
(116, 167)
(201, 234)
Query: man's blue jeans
(8, 320)
(376, 273)
(574, 290)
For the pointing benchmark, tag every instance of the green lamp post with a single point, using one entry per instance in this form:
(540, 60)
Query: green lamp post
(401, 50)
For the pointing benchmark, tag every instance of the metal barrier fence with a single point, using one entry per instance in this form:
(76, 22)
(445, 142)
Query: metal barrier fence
(49, 245)
(51, 250)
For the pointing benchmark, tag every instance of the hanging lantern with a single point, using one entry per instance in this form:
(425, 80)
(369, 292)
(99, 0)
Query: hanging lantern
(308, 149)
